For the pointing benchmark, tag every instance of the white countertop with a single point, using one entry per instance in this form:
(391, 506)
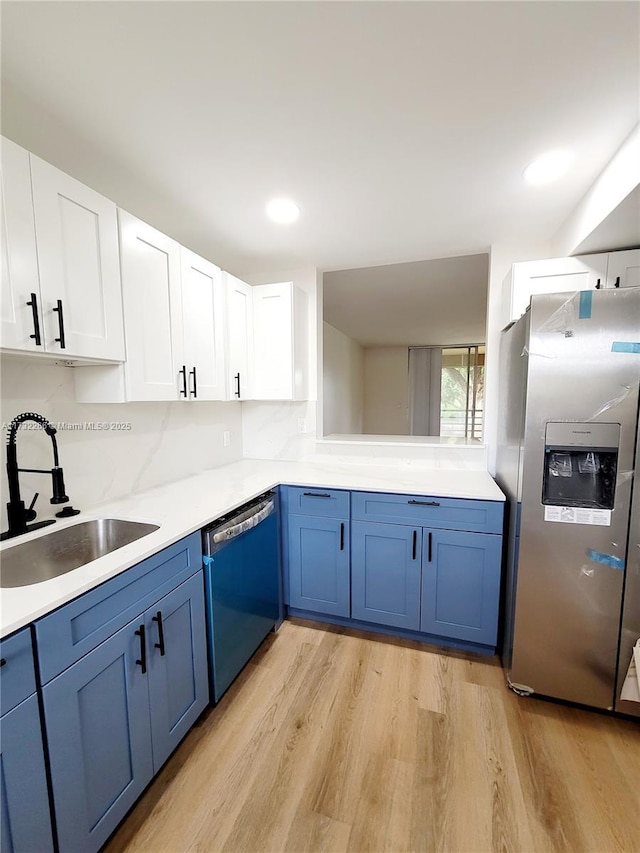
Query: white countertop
(187, 505)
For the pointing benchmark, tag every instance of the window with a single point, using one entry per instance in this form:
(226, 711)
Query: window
(446, 391)
(462, 391)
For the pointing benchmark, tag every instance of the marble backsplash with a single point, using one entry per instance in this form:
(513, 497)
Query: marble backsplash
(278, 430)
(140, 445)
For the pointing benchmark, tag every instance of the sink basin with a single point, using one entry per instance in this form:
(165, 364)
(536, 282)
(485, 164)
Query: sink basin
(66, 549)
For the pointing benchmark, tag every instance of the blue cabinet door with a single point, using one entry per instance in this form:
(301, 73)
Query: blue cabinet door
(17, 675)
(25, 822)
(99, 735)
(318, 552)
(461, 585)
(385, 574)
(178, 678)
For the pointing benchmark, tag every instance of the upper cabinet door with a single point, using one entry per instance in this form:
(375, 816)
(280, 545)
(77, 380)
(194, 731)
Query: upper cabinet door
(203, 327)
(623, 269)
(77, 240)
(280, 342)
(273, 341)
(153, 312)
(239, 298)
(555, 275)
(21, 322)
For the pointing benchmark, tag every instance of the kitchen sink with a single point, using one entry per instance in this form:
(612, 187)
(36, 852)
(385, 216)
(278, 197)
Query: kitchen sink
(63, 550)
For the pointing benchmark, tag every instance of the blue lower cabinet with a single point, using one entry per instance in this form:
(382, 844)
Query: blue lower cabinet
(385, 567)
(25, 820)
(114, 717)
(99, 734)
(178, 680)
(461, 585)
(318, 554)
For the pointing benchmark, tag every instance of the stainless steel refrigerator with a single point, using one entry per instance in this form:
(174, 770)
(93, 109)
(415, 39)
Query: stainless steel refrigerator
(568, 462)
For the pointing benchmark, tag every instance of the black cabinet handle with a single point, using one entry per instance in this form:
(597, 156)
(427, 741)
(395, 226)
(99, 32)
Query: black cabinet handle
(430, 545)
(617, 282)
(36, 322)
(160, 644)
(142, 661)
(414, 550)
(424, 503)
(2, 661)
(316, 495)
(194, 390)
(598, 285)
(237, 379)
(342, 536)
(61, 339)
(183, 372)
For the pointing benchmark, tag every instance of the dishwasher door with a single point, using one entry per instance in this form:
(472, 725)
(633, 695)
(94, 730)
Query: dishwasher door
(242, 582)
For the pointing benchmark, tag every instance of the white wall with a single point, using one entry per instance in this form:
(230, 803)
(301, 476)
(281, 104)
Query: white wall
(343, 382)
(166, 441)
(386, 390)
(502, 256)
(620, 177)
(286, 430)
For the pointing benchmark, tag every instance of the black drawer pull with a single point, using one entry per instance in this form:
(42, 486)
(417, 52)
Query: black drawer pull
(342, 536)
(194, 390)
(414, 550)
(142, 661)
(316, 495)
(61, 339)
(424, 503)
(237, 379)
(36, 322)
(430, 544)
(160, 644)
(183, 372)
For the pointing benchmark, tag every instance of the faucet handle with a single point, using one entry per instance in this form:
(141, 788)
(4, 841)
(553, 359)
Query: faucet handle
(30, 513)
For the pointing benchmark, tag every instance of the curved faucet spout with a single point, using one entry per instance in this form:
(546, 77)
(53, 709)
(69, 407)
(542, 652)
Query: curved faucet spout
(18, 514)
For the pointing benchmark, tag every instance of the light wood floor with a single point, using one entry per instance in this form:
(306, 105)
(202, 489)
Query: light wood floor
(335, 740)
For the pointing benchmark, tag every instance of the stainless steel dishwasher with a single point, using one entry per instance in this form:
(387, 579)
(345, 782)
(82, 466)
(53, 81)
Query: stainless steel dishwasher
(242, 582)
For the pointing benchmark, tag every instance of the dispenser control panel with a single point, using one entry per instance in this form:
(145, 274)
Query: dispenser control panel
(579, 476)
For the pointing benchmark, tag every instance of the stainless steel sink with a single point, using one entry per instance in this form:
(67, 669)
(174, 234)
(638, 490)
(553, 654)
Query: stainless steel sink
(69, 548)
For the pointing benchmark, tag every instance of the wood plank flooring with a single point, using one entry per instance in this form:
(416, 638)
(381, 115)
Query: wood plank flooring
(337, 740)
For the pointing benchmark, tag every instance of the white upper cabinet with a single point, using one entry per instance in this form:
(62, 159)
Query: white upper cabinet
(153, 312)
(203, 327)
(174, 324)
(77, 245)
(280, 342)
(239, 313)
(623, 268)
(20, 306)
(561, 275)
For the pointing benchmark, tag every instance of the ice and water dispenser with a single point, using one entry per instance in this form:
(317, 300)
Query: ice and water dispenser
(580, 464)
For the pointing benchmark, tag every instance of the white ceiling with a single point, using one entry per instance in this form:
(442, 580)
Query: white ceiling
(423, 303)
(401, 129)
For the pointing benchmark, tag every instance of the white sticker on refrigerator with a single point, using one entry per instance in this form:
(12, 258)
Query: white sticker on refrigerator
(578, 515)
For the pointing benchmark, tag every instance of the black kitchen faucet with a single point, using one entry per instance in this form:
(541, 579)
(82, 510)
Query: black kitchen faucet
(18, 515)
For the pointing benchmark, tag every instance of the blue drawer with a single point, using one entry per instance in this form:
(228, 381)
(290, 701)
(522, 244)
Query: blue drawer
(329, 503)
(428, 511)
(75, 629)
(17, 675)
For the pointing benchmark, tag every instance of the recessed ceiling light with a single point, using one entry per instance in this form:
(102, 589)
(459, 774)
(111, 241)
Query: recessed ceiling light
(283, 210)
(548, 167)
